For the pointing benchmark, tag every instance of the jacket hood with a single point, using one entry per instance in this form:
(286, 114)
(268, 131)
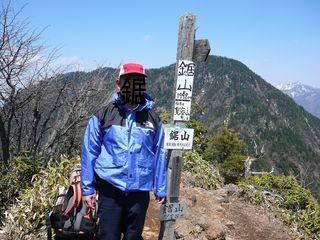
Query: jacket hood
(148, 102)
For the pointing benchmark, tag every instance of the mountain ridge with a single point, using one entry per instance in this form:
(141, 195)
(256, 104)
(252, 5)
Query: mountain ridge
(231, 94)
(304, 95)
(226, 93)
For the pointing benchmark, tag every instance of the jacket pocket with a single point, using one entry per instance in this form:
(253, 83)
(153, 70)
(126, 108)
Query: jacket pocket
(118, 155)
(120, 159)
(146, 158)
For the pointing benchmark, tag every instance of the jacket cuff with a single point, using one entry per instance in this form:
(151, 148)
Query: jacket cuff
(88, 192)
(160, 195)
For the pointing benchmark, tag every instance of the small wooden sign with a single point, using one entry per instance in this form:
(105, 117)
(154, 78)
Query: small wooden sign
(173, 210)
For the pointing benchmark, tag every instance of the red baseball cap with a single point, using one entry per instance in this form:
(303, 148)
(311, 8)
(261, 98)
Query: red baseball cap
(132, 68)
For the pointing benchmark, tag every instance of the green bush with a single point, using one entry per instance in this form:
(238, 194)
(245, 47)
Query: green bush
(21, 170)
(205, 174)
(26, 216)
(227, 150)
(233, 169)
(165, 117)
(288, 200)
(201, 137)
(226, 144)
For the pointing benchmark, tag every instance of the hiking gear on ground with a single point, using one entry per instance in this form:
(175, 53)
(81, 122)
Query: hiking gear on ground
(70, 217)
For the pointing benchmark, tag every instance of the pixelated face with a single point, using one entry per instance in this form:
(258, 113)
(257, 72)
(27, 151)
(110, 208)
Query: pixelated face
(132, 88)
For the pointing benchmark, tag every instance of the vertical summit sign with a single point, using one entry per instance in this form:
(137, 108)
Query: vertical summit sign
(184, 87)
(178, 137)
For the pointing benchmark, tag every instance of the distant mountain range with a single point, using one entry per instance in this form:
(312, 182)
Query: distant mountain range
(306, 96)
(225, 93)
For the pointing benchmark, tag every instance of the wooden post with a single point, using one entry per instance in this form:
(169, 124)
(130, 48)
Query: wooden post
(187, 49)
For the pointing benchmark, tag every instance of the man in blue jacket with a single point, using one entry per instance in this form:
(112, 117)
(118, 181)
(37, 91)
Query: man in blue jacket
(123, 157)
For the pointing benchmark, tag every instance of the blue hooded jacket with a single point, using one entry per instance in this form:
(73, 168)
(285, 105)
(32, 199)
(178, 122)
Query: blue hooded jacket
(125, 147)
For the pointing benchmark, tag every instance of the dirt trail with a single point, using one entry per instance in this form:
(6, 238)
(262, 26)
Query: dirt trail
(218, 214)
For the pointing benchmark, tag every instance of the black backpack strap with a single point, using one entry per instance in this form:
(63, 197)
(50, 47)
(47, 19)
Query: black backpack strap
(154, 117)
(79, 217)
(110, 115)
(148, 118)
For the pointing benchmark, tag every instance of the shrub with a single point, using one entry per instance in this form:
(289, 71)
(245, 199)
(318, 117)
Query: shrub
(200, 137)
(226, 144)
(21, 170)
(165, 117)
(26, 217)
(205, 174)
(226, 149)
(233, 169)
(288, 200)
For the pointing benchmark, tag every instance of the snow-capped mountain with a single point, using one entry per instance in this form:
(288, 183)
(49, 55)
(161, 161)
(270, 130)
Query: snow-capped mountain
(306, 96)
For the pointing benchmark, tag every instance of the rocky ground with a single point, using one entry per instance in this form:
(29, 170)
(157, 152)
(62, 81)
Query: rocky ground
(218, 214)
(214, 215)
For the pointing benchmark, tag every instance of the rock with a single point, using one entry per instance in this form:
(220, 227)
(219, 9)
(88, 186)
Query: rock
(208, 218)
(193, 200)
(228, 238)
(202, 222)
(231, 189)
(216, 235)
(216, 230)
(219, 209)
(223, 199)
(178, 235)
(230, 224)
(2, 235)
(198, 229)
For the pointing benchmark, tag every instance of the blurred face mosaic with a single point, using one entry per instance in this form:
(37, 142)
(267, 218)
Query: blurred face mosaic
(132, 88)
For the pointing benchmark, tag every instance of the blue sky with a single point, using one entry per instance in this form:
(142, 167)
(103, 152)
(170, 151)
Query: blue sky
(279, 40)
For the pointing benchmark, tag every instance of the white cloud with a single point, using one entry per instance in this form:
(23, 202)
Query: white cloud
(147, 37)
(73, 62)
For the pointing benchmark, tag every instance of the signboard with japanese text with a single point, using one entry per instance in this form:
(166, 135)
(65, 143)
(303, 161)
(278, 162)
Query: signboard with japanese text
(182, 110)
(178, 137)
(173, 210)
(184, 87)
(186, 68)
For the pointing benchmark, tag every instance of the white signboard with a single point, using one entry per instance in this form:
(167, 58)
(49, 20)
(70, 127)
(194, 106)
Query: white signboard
(184, 87)
(186, 68)
(177, 137)
(170, 211)
(182, 110)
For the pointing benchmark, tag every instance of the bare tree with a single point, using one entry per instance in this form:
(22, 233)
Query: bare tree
(41, 109)
(303, 176)
(74, 113)
(23, 62)
(259, 153)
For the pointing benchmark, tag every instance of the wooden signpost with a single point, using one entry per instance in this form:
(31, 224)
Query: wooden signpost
(178, 138)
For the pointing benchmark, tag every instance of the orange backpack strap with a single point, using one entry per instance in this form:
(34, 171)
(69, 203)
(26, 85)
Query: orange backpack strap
(78, 192)
(88, 213)
(75, 200)
(72, 200)
(75, 179)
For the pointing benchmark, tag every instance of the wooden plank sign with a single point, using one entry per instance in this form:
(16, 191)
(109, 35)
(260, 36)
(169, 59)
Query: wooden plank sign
(173, 210)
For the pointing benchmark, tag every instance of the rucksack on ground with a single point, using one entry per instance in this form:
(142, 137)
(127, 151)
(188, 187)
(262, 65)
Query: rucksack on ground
(70, 218)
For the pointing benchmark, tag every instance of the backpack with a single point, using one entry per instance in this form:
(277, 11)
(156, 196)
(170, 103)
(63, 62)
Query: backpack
(70, 217)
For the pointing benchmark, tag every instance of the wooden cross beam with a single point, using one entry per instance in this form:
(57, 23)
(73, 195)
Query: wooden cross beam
(201, 50)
